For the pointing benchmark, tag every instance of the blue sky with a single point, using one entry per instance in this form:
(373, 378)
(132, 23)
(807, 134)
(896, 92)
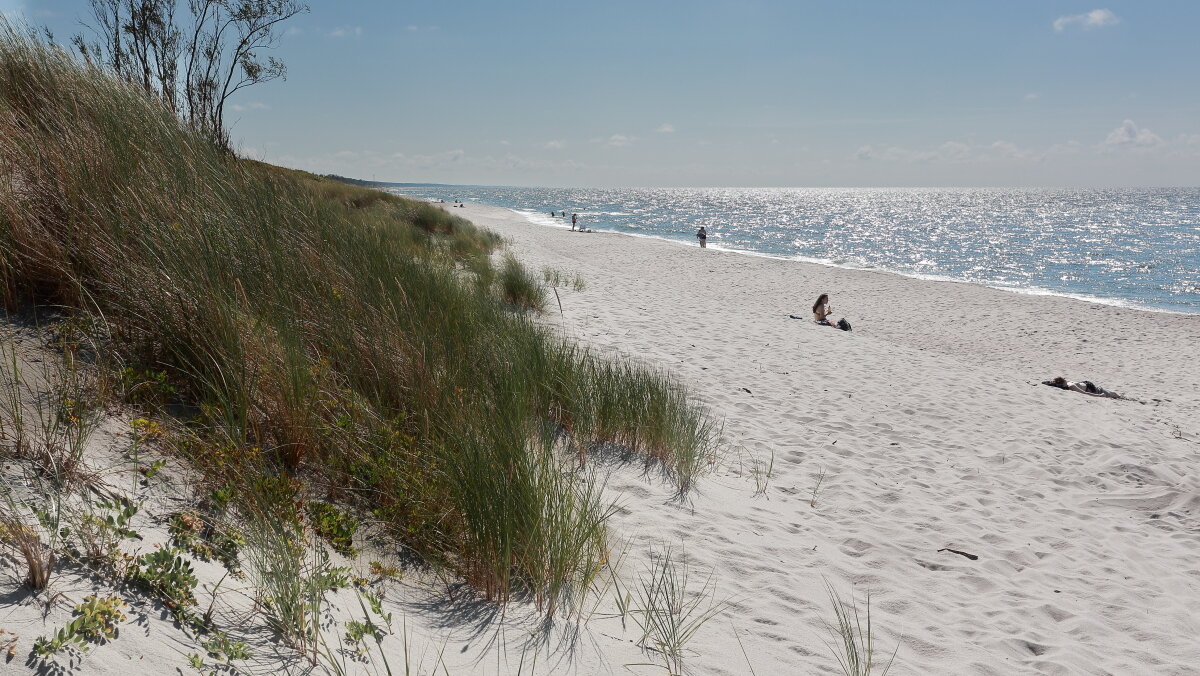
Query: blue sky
(707, 93)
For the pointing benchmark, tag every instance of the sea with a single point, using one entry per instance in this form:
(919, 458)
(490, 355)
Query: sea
(1136, 247)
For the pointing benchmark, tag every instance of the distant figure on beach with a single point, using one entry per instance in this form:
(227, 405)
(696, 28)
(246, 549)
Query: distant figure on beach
(1083, 387)
(573, 217)
(822, 310)
(703, 237)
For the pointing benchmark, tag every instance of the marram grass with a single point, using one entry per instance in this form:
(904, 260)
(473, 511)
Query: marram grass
(356, 339)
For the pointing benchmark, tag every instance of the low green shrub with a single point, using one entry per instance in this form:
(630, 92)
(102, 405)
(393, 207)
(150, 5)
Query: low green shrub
(335, 526)
(96, 621)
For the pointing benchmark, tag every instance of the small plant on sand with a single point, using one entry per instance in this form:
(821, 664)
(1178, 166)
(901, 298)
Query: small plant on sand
(762, 471)
(62, 399)
(96, 621)
(8, 644)
(26, 540)
(384, 571)
(334, 525)
(667, 609)
(224, 649)
(207, 540)
(167, 576)
(98, 531)
(555, 278)
(291, 574)
(852, 639)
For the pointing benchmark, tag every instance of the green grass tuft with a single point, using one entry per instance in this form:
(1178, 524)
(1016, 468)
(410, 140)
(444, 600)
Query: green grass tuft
(345, 336)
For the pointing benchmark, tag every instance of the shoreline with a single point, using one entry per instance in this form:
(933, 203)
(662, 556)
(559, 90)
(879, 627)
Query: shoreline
(527, 214)
(924, 429)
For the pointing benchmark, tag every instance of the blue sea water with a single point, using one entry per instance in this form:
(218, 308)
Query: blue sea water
(1133, 247)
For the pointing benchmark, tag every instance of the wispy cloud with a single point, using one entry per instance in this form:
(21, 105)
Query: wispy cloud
(415, 28)
(1097, 18)
(555, 145)
(346, 32)
(1129, 135)
(1127, 138)
(255, 105)
(616, 140)
(294, 30)
(1032, 96)
(665, 128)
(401, 166)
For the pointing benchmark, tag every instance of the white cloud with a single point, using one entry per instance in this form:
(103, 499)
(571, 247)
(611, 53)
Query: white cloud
(954, 151)
(616, 140)
(294, 30)
(414, 28)
(1097, 18)
(1129, 135)
(555, 145)
(255, 105)
(864, 153)
(505, 143)
(346, 31)
(1032, 96)
(665, 128)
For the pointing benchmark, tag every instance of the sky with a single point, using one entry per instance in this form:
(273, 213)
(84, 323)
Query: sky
(706, 93)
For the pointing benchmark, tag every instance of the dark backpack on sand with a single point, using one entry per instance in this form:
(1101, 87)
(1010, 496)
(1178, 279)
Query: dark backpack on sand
(843, 324)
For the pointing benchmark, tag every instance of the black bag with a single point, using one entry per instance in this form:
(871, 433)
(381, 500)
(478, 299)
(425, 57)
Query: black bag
(843, 324)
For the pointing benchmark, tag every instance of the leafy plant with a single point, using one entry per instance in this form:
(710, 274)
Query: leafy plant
(335, 526)
(356, 631)
(99, 531)
(385, 571)
(206, 540)
(220, 647)
(167, 576)
(96, 621)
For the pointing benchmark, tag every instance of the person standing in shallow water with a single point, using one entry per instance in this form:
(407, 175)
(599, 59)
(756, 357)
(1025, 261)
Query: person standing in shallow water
(702, 235)
(573, 217)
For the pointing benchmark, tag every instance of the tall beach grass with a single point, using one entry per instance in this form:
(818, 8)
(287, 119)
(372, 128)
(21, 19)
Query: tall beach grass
(348, 337)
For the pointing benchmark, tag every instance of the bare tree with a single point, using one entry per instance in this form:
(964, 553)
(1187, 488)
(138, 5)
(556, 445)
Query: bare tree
(194, 66)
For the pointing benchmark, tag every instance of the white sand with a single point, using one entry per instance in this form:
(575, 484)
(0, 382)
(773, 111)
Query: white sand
(930, 428)
(933, 432)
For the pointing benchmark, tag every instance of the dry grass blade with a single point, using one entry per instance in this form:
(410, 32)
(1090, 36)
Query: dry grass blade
(25, 541)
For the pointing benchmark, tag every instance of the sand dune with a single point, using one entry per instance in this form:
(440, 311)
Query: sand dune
(933, 433)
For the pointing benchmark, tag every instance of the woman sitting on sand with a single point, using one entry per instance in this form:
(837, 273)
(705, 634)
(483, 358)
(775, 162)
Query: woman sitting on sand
(822, 310)
(1083, 386)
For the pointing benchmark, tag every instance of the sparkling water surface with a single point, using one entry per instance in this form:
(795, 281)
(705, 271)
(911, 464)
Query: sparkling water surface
(1135, 247)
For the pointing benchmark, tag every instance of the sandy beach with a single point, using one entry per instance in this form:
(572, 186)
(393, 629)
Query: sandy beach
(933, 433)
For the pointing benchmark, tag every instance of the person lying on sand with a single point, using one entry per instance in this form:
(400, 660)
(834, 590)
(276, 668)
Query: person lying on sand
(1083, 386)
